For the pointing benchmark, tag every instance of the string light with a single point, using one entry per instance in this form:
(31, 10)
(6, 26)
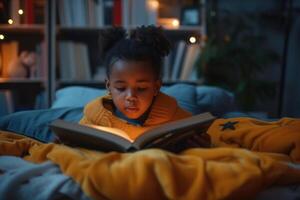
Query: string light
(2, 37)
(192, 40)
(20, 11)
(10, 21)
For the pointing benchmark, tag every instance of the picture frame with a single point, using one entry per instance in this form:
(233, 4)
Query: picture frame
(190, 16)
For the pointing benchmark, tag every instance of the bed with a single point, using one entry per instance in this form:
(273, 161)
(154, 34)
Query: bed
(31, 167)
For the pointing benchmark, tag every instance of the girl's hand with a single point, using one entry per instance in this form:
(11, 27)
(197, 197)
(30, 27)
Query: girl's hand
(56, 140)
(199, 140)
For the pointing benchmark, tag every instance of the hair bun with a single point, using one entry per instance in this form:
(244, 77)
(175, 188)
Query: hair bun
(152, 36)
(109, 37)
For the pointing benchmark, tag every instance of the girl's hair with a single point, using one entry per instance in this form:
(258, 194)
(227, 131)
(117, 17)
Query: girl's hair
(145, 43)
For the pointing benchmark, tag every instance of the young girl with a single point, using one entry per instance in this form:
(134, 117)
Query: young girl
(133, 68)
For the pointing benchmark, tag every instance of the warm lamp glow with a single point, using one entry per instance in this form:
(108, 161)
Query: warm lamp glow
(192, 40)
(175, 23)
(10, 21)
(153, 4)
(169, 23)
(2, 37)
(20, 11)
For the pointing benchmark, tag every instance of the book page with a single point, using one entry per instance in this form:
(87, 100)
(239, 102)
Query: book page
(115, 131)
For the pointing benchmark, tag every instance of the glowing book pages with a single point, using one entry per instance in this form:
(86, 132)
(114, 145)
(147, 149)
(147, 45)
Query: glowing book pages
(166, 136)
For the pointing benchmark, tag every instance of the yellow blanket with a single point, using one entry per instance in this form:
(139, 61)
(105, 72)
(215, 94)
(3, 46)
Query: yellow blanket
(217, 173)
(282, 136)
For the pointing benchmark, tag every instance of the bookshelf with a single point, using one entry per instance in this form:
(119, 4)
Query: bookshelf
(69, 32)
(23, 42)
(55, 33)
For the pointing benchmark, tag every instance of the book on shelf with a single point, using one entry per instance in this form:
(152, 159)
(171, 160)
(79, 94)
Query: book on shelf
(166, 136)
(180, 53)
(14, 7)
(29, 12)
(33, 11)
(91, 13)
(167, 67)
(79, 13)
(99, 13)
(192, 54)
(6, 102)
(82, 62)
(117, 13)
(74, 61)
(126, 10)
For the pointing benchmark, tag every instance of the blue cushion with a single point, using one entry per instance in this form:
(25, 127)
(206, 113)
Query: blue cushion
(79, 96)
(185, 95)
(35, 123)
(215, 100)
(195, 99)
(75, 96)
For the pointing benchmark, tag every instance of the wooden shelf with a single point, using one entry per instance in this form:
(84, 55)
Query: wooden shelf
(88, 28)
(23, 32)
(87, 83)
(92, 30)
(82, 29)
(101, 84)
(22, 28)
(18, 84)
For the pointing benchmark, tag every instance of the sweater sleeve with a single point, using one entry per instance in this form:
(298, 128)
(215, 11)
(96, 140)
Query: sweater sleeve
(181, 114)
(91, 112)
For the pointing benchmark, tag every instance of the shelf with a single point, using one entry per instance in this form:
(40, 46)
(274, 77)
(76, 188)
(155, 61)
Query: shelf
(88, 28)
(20, 84)
(101, 84)
(182, 31)
(89, 83)
(12, 32)
(22, 28)
(89, 34)
(81, 29)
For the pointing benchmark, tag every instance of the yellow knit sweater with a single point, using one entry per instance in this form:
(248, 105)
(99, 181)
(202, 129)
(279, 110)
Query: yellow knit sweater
(164, 109)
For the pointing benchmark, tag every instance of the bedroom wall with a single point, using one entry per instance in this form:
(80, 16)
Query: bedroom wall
(275, 37)
(291, 101)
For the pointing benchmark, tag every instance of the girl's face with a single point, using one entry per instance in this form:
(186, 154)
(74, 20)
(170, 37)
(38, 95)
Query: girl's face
(133, 86)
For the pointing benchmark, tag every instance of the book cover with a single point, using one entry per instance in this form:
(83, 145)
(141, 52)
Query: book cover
(166, 136)
(82, 62)
(29, 13)
(117, 13)
(79, 13)
(13, 14)
(108, 12)
(126, 10)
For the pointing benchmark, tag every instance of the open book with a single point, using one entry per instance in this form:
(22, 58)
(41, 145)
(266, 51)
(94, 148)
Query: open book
(166, 136)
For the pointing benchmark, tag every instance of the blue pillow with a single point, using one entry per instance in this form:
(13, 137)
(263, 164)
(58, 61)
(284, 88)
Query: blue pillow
(75, 96)
(215, 100)
(185, 95)
(35, 123)
(195, 99)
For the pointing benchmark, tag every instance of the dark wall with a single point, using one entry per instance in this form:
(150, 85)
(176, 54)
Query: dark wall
(276, 33)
